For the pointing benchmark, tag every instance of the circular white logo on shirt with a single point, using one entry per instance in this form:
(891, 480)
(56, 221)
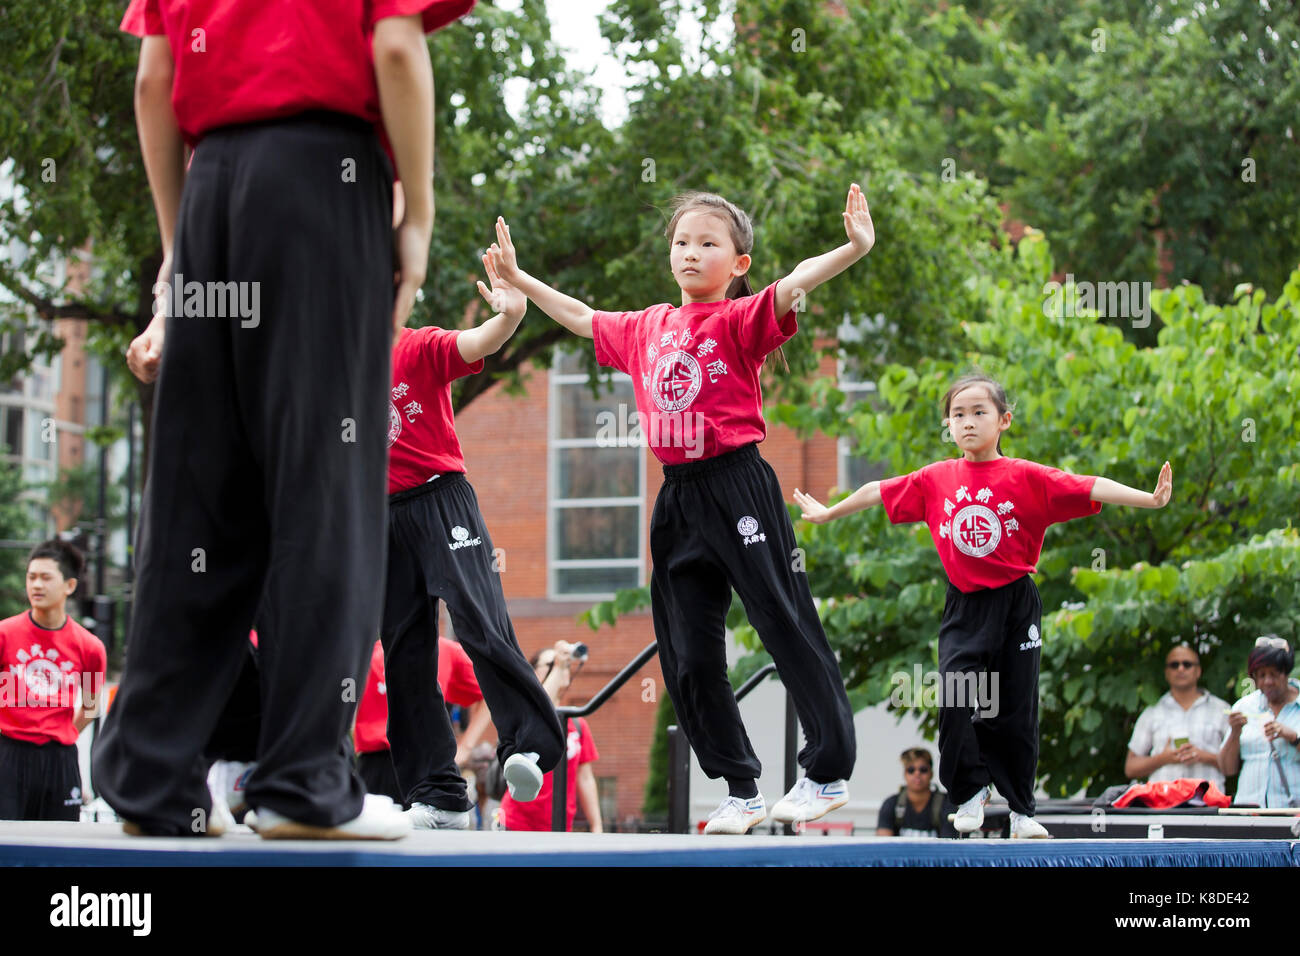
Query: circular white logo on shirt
(43, 679)
(459, 533)
(675, 381)
(976, 530)
(1033, 632)
(394, 424)
(746, 526)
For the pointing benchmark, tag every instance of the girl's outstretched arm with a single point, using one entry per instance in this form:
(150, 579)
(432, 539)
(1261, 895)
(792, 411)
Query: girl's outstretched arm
(569, 312)
(1112, 492)
(811, 273)
(813, 510)
(508, 303)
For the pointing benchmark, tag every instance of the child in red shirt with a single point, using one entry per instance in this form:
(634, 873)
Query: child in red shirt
(987, 515)
(720, 520)
(45, 659)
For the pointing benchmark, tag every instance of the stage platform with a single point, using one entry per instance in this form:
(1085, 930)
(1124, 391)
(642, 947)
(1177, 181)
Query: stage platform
(104, 844)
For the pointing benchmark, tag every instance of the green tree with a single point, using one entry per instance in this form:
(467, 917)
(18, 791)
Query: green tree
(1152, 139)
(15, 526)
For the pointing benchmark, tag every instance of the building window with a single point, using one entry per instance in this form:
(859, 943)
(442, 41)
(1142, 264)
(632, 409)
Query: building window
(596, 505)
(854, 470)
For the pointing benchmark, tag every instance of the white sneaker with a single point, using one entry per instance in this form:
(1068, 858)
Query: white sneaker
(425, 817)
(735, 815)
(228, 782)
(1027, 828)
(523, 776)
(379, 820)
(970, 815)
(809, 800)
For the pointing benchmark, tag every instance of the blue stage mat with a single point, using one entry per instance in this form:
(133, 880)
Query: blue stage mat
(72, 844)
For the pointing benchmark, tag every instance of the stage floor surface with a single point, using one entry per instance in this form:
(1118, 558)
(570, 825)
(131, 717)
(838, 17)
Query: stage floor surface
(104, 844)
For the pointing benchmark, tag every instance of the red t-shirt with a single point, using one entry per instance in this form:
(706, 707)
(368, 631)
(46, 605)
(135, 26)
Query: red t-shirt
(695, 370)
(40, 673)
(422, 438)
(988, 518)
(455, 677)
(536, 814)
(240, 61)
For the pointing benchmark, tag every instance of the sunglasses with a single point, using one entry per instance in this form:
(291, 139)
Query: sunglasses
(1174, 665)
(917, 768)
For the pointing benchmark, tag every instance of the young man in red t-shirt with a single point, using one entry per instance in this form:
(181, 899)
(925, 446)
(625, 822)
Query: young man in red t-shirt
(45, 658)
(439, 550)
(278, 312)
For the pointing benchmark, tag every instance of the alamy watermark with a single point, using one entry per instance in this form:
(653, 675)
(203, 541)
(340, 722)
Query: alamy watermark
(631, 428)
(978, 691)
(210, 300)
(1110, 300)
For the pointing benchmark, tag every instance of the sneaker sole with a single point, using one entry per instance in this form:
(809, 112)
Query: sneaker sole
(289, 830)
(971, 827)
(785, 816)
(523, 778)
(749, 826)
(215, 829)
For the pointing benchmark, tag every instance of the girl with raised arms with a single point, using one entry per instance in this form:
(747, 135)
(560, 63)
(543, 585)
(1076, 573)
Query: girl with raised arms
(720, 520)
(987, 514)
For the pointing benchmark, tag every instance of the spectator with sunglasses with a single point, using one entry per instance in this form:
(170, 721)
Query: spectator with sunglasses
(919, 809)
(1265, 733)
(1179, 736)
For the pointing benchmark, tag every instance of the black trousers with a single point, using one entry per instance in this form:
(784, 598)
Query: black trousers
(989, 650)
(718, 524)
(377, 773)
(240, 724)
(439, 550)
(39, 781)
(266, 476)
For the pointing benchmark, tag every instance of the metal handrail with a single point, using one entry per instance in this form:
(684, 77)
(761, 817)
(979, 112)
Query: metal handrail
(560, 776)
(679, 757)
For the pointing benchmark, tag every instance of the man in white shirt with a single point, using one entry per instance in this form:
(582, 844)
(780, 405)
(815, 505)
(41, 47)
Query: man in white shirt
(1181, 733)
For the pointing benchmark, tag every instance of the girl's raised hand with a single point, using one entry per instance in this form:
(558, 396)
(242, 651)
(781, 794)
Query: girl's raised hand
(502, 297)
(1164, 486)
(857, 221)
(503, 253)
(813, 510)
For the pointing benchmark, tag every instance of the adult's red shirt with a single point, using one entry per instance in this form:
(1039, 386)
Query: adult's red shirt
(988, 518)
(422, 438)
(241, 61)
(455, 677)
(40, 672)
(695, 370)
(536, 814)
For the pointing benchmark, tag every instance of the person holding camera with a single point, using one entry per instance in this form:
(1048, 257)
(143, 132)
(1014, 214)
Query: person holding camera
(555, 667)
(1181, 733)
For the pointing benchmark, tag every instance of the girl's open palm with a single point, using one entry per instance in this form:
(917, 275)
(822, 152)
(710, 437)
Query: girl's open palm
(503, 253)
(857, 220)
(813, 510)
(1164, 486)
(502, 297)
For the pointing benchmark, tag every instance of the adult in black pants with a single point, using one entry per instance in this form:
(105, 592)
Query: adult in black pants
(266, 474)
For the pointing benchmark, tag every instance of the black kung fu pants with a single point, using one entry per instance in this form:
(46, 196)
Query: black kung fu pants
(989, 650)
(439, 549)
(717, 524)
(266, 475)
(39, 781)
